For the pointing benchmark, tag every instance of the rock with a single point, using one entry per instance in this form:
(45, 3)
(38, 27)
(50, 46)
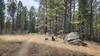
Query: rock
(60, 36)
(53, 39)
(46, 39)
(73, 38)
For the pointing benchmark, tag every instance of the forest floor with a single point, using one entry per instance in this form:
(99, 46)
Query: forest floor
(36, 45)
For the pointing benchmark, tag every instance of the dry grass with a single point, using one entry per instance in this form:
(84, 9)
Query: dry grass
(54, 48)
(45, 50)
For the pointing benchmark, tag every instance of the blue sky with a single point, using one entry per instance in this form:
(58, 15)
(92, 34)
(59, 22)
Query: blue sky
(29, 3)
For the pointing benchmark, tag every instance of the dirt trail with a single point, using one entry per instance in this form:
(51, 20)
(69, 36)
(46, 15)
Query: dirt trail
(23, 51)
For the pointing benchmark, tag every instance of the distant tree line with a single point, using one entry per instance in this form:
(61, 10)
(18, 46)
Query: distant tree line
(54, 17)
(18, 19)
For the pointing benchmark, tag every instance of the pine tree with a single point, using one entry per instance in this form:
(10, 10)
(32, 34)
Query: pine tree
(24, 19)
(32, 15)
(19, 17)
(86, 18)
(12, 10)
(53, 19)
(8, 25)
(2, 17)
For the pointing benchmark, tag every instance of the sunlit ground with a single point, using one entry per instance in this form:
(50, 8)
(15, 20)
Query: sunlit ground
(35, 45)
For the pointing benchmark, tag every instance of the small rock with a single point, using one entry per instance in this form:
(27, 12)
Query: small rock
(46, 39)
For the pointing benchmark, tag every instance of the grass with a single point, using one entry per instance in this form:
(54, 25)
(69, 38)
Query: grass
(45, 50)
(1, 40)
(37, 50)
(40, 47)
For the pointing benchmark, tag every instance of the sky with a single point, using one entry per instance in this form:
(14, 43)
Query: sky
(29, 3)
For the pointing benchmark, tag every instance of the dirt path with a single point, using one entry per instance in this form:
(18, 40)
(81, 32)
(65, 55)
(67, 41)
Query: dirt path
(24, 50)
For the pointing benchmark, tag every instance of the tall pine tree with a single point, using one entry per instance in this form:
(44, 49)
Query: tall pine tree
(12, 10)
(32, 20)
(19, 17)
(2, 17)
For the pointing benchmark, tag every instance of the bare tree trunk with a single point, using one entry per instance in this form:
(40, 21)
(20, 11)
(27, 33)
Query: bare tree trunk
(65, 19)
(68, 16)
(13, 24)
(45, 27)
